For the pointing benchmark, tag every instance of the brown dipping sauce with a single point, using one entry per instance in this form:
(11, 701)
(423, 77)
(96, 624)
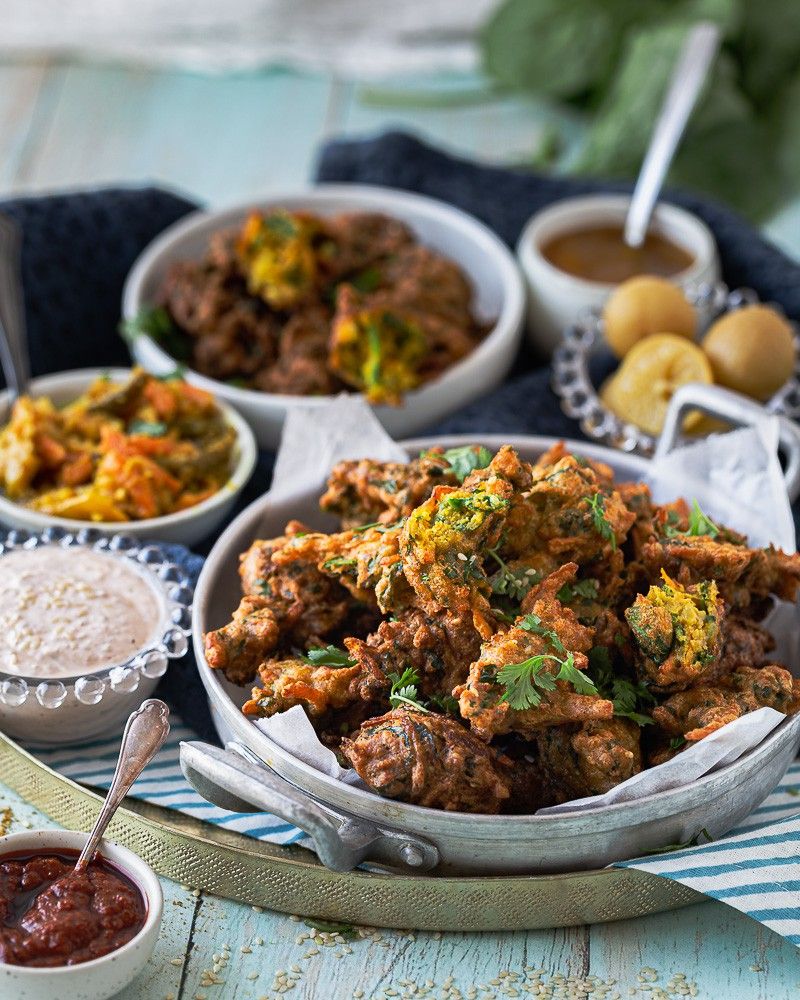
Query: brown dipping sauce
(601, 254)
(50, 916)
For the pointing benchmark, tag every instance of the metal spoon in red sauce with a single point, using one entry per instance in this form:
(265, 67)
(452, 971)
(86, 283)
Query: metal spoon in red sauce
(51, 914)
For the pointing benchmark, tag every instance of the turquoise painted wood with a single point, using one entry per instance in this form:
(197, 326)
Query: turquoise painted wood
(232, 138)
(712, 948)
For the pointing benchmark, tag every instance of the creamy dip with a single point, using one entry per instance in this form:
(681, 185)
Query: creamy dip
(65, 612)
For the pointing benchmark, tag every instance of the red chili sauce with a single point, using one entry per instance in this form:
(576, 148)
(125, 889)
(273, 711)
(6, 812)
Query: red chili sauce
(51, 916)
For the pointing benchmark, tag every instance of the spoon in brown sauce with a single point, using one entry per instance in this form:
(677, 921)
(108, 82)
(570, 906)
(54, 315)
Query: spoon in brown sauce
(145, 732)
(688, 78)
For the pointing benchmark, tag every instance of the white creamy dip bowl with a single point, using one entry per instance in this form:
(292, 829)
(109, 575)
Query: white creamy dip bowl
(43, 706)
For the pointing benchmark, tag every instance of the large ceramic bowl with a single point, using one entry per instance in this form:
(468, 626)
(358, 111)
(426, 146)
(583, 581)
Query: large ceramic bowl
(186, 527)
(498, 289)
(101, 977)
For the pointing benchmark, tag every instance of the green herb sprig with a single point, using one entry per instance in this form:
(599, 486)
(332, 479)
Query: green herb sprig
(587, 589)
(628, 697)
(602, 526)
(699, 524)
(327, 656)
(461, 461)
(525, 681)
(512, 583)
(405, 690)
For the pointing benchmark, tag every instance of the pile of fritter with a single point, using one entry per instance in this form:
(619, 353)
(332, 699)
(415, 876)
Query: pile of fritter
(489, 635)
(307, 305)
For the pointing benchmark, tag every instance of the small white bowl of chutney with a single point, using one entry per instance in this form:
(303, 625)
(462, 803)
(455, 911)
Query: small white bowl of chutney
(572, 255)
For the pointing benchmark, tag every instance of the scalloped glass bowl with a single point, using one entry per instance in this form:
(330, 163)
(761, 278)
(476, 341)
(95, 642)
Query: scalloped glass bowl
(43, 711)
(583, 361)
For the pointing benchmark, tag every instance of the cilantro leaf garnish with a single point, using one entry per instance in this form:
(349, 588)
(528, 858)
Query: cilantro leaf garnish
(461, 461)
(405, 690)
(533, 623)
(281, 224)
(524, 681)
(367, 280)
(327, 656)
(699, 524)
(677, 742)
(601, 523)
(447, 703)
(577, 678)
(627, 696)
(339, 562)
(147, 428)
(155, 322)
(587, 589)
(513, 583)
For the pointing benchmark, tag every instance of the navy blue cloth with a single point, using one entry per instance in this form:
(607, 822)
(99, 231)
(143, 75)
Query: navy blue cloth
(78, 248)
(505, 199)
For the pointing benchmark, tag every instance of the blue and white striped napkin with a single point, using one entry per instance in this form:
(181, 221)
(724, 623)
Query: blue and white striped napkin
(163, 784)
(755, 869)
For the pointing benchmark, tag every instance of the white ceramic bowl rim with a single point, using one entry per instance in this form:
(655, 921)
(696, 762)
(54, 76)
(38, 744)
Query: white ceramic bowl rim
(130, 864)
(569, 214)
(78, 380)
(370, 196)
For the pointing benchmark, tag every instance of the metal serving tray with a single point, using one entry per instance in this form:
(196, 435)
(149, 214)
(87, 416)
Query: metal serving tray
(351, 825)
(291, 880)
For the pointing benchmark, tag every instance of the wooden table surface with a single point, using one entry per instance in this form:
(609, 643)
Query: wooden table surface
(226, 139)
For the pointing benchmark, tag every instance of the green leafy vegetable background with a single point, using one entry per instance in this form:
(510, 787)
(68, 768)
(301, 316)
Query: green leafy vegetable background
(612, 59)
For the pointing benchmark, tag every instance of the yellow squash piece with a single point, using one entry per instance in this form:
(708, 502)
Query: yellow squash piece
(640, 390)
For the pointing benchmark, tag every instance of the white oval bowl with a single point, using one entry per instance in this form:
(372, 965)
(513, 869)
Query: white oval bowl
(556, 299)
(186, 527)
(498, 296)
(101, 977)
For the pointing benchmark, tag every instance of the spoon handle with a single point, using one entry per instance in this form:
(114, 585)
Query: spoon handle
(687, 81)
(145, 732)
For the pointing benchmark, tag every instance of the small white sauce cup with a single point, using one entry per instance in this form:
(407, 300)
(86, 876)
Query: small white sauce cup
(101, 977)
(556, 299)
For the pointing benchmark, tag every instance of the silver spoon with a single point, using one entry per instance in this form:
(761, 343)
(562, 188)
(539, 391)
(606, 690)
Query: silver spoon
(688, 77)
(144, 735)
(13, 339)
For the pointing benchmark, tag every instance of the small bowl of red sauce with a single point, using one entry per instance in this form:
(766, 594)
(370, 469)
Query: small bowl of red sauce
(83, 935)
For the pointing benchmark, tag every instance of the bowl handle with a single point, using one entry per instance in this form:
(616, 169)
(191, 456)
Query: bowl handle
(737, 410)
(236, 779)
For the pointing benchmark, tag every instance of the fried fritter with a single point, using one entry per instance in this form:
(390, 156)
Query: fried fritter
(590, 759)
(697, 712)
(430, 760)
(561, 512)
(366, 562)
(291, 604)
(442, 543)
(678, 631)
(362, 492)
(319, 689)
(251, 635)
(745, 576)
(438, 647)
(540, 643)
